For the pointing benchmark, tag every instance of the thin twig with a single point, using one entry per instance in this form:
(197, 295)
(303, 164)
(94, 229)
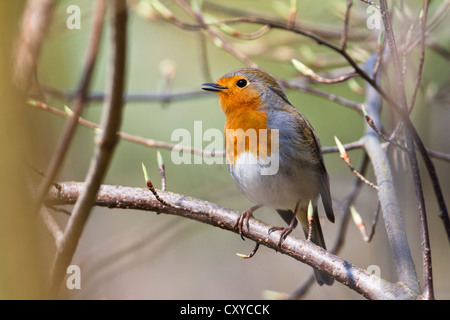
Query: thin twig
(374, 222)
(344, 156)
(439, 155)
(42, 174)
(346, 21)
(371, 123)
(176, 147)
(370, 2)
(361, 225)
(155, 193)
(330, 96)
(381, 44)
(112, 115)
(168, 15)
(167, 97)
(150, 187)
(422, 23)
(35, 22)
(224, 44)
(56, 209)
(292, 18)
(438, 17)
(129, 137)
(328, 32)
(309, 73)
(339, 79)
(77, 106)
(217, 38)
(245, 36)
(439, 49)
(348, 146)
(52, 226)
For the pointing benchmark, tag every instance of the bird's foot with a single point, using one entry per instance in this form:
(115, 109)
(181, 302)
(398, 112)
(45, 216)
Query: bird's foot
(284, 233)
(243, 219)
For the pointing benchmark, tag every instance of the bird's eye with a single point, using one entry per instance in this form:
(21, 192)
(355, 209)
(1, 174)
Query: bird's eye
(241, 83)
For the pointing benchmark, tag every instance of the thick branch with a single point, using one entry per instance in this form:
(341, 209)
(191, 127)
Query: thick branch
(400, 90)
(371, 286)
(403, 261)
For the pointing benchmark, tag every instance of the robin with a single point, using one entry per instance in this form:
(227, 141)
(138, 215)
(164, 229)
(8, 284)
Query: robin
(252, 101)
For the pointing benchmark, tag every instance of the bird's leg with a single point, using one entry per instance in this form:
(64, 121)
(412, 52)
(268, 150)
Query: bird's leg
(285, 231)
(244, 217)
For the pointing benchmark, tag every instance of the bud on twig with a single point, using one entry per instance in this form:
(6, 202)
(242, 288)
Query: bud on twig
(310, 217)
(151, 188)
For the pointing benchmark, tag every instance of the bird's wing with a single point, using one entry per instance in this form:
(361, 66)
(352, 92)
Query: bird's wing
(324, 186)
(311, 141)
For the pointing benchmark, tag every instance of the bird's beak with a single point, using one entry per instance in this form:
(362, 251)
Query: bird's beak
(213, 87)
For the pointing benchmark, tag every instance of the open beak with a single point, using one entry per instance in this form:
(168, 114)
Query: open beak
(213, 87)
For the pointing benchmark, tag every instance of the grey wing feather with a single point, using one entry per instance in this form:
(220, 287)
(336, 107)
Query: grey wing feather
(287, 216)
(324, 182)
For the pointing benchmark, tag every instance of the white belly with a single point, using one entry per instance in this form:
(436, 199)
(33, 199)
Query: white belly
(280, 190)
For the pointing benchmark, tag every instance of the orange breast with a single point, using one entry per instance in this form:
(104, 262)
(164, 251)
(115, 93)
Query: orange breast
(245, 127)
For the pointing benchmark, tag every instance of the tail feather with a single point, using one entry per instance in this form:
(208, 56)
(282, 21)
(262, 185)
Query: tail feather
(318, 239)
(287, 216)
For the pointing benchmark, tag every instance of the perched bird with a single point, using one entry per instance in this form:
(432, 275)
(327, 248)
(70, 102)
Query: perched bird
(284, 169)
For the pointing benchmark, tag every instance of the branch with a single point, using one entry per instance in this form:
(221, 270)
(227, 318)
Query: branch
(112, 115)
(217, 38)
(344, 156)
(34, 25)
(176, 147)
(77, 107)
(164, 97)
(52, 226)
(129, 137)
(346, 20)
(292, 84)
(371, 3)
(309, 73)
(371, 286)
(325, 31)
(425, 241)
(403, 261)
(422, 22)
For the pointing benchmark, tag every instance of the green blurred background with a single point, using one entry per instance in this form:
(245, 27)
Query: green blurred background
(126, 254)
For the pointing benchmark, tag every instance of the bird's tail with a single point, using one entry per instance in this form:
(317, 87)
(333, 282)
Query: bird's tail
(317, 238)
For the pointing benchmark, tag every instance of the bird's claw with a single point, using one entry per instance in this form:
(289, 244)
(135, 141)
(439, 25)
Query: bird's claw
(284, 233)
(243, 218)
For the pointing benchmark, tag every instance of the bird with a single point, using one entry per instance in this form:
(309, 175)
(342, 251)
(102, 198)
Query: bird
(253, 103)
